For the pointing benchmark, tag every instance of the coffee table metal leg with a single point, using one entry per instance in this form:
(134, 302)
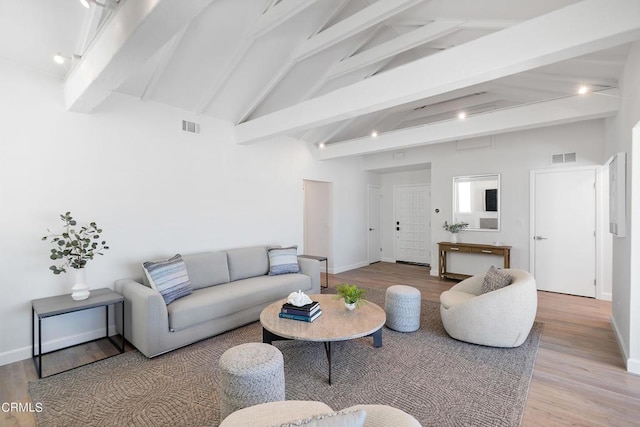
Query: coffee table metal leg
(377, 338)
(327, 349)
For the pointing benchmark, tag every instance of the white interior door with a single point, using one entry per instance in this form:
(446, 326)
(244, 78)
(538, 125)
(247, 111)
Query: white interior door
(412, 223)
(564, 231)
(373, 224)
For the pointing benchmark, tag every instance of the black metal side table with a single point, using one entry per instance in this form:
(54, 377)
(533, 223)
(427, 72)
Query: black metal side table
(326, 266)
(63, 304)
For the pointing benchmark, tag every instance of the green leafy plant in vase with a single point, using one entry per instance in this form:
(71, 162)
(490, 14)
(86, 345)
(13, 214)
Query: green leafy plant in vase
(75, 247)
(352, 295)
(454, 229)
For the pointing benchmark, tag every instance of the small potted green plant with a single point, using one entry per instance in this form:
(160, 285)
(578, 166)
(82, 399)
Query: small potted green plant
(352, 295)
(75, 246)
(454, 229)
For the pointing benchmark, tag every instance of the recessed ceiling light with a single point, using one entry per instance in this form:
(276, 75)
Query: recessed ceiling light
(85, 3)
(374, 134)
(462, 115)
(583, 89)
(321, 145)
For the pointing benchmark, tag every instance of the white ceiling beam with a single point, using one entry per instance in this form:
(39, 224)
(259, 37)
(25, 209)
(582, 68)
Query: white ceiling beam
(472, 24)
(395, 46)
(269, 20)
(563, 78)
(319, 83)
(167, 53)
(522, 94)
(284, 69)
(547, 113)
(135, 31)
(278, 15)
(569, 32)
(454, 105)
(354, 24)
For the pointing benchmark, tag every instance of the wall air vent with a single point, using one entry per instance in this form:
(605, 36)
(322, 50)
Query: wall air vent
(563, 158)
(192, 127)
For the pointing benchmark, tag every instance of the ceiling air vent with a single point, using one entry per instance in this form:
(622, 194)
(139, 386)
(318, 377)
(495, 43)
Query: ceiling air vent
(563, 158)
(192, 127)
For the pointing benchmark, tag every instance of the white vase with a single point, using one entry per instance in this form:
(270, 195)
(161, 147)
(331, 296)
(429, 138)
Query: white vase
(80, 290)
(350, 306)
(454, 238)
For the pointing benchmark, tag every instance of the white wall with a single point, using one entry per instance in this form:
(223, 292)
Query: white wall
(389, 181)
(626, 250)
(154, 189)
(511, 155)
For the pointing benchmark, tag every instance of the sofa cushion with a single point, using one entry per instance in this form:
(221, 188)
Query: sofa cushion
(247, 262)
(283, 261)
(495, 279)
(207, 269)
(332, 419)
(169, 278)
(229, 298)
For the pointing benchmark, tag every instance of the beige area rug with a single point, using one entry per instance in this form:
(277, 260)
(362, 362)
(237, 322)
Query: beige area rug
(440, 381)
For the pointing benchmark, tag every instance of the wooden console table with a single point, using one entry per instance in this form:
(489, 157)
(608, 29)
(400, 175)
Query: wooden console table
(469, 248)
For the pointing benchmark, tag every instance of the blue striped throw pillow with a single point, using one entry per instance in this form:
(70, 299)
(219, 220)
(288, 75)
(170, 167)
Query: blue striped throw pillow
(283, 261)
(169, 278)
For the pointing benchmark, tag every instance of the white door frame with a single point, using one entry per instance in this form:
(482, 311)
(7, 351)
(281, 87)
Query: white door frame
(370, 186)
(599, 218)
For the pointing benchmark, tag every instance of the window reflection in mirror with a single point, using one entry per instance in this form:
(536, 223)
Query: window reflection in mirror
(476, 201)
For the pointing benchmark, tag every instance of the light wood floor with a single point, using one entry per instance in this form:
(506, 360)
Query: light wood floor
(578, 380)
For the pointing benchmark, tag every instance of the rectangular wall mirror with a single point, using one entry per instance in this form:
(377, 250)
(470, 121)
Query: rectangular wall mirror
(476, 201)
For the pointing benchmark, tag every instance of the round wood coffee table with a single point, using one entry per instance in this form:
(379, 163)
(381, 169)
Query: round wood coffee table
(335, 324)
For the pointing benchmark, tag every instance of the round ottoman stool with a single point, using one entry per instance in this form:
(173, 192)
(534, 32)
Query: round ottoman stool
(402, 305)
(250, 374)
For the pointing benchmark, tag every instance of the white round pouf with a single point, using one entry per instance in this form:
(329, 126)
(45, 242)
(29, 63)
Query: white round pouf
(402, 305)
(250, 374)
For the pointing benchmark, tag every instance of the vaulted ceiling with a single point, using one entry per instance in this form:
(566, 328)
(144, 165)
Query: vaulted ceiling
(352, 76)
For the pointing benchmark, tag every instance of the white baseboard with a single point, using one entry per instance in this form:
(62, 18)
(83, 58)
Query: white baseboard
(388, 259)
(604, 296)
(633, 365)
(434, 272)
(342, 269)
(25, 352)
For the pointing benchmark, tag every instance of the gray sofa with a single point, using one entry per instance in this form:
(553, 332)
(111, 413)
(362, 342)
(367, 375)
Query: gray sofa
(230, 290)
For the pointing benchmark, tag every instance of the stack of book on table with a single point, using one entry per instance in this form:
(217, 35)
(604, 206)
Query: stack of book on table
(305, 313)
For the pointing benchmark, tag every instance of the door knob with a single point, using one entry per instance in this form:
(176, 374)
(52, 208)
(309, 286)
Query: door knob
(539, 238)
(371, 229)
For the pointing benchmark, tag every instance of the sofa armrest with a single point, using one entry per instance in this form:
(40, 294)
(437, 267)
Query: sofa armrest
(471, 285)
(311, 268)
(145, 316)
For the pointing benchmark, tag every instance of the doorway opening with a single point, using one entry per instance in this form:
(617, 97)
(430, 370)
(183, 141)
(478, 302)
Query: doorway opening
(318, 219)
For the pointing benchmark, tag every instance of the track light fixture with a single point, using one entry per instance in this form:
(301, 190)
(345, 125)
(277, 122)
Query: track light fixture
(61, 59)
(108, 3)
